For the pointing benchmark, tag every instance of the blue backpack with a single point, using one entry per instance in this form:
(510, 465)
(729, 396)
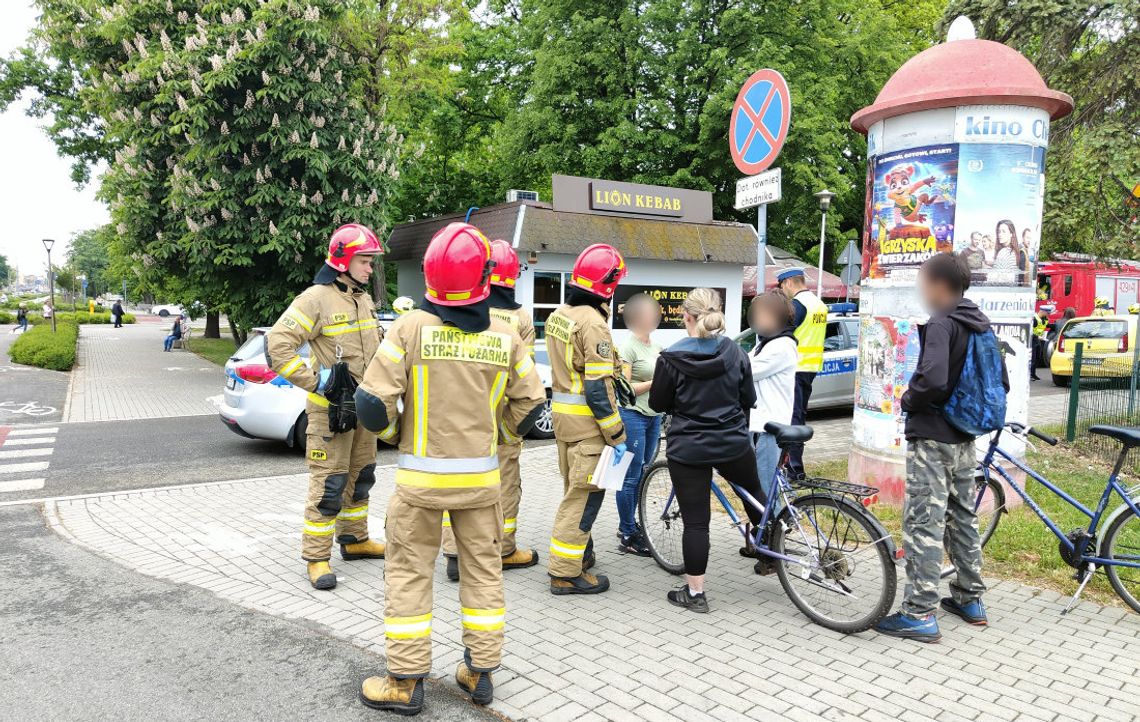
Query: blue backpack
(977, 404)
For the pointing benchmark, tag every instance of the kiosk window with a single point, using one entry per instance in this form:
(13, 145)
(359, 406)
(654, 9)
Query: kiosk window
(549, 292)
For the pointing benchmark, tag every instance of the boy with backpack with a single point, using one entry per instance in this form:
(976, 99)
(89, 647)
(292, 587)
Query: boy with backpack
(956, 394)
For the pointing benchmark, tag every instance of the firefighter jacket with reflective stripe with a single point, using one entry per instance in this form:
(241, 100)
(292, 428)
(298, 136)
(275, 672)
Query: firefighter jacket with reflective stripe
(336, 322)
(454, 389)
(519, 319)
(811, 333)
(583, 364)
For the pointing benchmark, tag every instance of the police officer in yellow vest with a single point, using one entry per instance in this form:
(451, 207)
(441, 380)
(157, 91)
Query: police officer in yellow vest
(336, 318)
(810, 322)
(1040, 329)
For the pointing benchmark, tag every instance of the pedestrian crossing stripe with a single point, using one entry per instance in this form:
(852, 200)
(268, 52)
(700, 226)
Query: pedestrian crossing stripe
(23, 468)
(21, 485)
(21, 453)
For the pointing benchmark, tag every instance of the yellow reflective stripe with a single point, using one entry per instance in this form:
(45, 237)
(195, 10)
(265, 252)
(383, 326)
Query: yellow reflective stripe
(295, 314)
(338, 329)
(524, 367)
(319, 528)
(497, 390)
(428, 480)
(419, 392)
(568, 551)
(355, 512)
(575, 378)
(318, 399)
(389, 432)
(485, 620)
(446, 519)
(612, 420)
(391, 351)
(561, 407)
(288, 369)
(510, 525)
(599, 368)
(583, 282)
(509, 436)
(407, 627)
(530, 350)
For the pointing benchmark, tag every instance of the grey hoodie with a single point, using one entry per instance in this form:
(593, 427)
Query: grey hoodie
(944, 340)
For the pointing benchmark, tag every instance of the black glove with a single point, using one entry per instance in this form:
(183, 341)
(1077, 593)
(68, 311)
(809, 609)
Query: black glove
(624, 392)
(342, 406)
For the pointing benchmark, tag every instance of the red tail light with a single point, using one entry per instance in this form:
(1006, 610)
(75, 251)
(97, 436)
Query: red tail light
(1060, 343)
(1123, 347)
(255, 373)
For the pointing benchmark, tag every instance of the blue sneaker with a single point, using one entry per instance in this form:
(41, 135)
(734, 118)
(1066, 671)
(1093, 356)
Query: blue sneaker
(908, 627)
(973, 613)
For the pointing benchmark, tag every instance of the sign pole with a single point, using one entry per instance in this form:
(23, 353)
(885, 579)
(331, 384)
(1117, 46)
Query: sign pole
(761, 248)
(822, 237)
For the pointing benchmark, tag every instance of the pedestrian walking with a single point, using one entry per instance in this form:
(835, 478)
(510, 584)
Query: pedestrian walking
(584, 402)
(22, 317)
(810, 322)
(940, 460)
(705, 382)
(642, 316)
(505, 308)
(336, 318)
(448, 462)
(773, 361)
(117, 314)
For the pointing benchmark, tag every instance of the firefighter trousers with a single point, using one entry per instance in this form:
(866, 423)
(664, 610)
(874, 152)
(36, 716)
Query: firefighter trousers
(342, 470)
(510, 497)
(570, 542)
(413, 536)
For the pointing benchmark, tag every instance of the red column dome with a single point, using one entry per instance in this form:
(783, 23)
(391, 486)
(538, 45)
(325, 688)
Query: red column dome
(963, 72)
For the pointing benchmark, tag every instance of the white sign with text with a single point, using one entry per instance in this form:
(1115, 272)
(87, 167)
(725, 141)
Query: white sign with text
(759, 189)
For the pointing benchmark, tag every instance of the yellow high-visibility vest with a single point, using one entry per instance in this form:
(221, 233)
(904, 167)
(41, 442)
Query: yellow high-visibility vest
(811, 333)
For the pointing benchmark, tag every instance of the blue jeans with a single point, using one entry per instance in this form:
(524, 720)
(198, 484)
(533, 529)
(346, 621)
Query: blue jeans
(24, 324)
(168, 342)
(767, 458)
(642, 434)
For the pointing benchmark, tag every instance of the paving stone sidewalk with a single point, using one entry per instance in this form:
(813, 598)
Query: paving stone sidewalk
(123, 373)
(628, 654)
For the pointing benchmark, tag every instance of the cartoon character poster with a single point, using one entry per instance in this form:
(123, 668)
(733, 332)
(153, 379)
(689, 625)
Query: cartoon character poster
(888, 356)
(1000, 193)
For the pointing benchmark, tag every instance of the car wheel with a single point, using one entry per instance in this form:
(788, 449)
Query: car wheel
(299, 430)
(1049, 348)
(163, 313)
(544, 427)
(1060, 380)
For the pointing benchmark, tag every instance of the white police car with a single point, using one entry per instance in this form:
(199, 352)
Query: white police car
(834, 385)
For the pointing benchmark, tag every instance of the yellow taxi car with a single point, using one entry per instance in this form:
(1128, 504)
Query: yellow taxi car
(1109, 347)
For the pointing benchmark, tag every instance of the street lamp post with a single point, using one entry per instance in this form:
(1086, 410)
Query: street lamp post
(48, 243)
(824, 197)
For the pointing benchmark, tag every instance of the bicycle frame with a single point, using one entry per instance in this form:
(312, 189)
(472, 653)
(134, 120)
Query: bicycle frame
(1093, 515)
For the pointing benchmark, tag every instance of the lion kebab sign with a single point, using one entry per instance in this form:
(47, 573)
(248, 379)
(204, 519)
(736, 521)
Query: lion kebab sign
(591, 195)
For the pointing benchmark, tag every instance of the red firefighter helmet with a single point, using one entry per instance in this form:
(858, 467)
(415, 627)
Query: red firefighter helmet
(457, 266)
(351, 239)
(598, 270)
(506, 268)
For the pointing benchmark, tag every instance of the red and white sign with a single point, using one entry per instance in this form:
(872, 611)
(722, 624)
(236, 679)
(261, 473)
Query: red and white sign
(759, 123)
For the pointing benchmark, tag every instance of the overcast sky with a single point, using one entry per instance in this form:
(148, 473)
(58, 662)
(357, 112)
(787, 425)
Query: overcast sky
(37, 198)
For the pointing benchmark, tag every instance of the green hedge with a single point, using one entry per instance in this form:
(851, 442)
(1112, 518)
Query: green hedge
(80, 317)
(40, 347)
(6, 317)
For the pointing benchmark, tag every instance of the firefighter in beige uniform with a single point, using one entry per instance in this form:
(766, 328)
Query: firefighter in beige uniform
(584, 402)
(505, 308)
(444, 380)
(335, 317)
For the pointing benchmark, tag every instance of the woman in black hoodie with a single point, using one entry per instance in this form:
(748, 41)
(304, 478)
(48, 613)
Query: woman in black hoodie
(705, 382)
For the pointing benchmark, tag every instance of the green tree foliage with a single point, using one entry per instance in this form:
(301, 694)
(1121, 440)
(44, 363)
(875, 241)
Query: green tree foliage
(90, 255)
(642, 92)
(1090, 50)
(6, 271)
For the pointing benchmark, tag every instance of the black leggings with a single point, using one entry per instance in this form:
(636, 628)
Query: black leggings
(693, 486)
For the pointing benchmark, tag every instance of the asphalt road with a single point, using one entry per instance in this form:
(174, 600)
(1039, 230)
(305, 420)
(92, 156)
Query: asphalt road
(85, 639)
(27, 394)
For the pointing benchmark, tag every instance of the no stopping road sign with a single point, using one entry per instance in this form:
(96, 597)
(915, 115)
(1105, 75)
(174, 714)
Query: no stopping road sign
(759, 123)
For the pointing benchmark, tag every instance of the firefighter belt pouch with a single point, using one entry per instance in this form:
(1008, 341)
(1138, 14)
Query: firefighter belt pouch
(339, 391)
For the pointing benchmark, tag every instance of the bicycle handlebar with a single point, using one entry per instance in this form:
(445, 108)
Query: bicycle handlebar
(1023, 429)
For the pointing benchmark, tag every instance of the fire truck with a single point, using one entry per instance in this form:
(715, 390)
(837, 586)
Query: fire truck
(1074, 280)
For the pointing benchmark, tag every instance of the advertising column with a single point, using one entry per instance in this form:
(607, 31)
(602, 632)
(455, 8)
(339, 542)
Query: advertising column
(953, 176)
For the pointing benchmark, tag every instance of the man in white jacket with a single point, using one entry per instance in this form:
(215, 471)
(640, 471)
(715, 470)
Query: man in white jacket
(774, 361)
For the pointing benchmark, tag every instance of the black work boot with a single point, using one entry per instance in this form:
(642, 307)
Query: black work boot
(402, 696)
(582, 584)
(452, 569)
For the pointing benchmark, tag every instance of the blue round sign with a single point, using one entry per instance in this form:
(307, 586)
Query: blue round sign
(760, 119)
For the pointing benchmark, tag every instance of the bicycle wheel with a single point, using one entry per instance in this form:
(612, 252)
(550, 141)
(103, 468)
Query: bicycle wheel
(1122, 543)
(847, 580)
(660, 517)
(989, 506)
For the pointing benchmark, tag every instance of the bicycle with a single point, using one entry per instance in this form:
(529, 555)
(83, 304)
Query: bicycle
(1119, 544)
(816, 544)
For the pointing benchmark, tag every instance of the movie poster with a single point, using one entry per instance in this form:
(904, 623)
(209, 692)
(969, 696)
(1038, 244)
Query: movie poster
(888, 355)
(911, 215)
(670, 298)
(1000, 193)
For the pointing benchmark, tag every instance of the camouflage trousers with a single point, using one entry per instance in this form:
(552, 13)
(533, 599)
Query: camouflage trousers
(939, 512)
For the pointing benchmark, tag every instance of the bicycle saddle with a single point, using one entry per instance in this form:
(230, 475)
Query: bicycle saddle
(786, 434)
(1128, 436)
